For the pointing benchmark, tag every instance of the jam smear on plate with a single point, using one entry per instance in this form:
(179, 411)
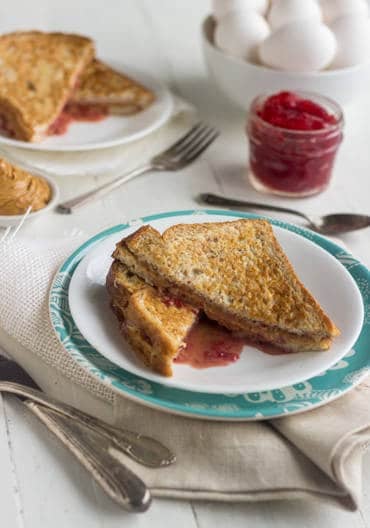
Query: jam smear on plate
(210, 345)
(76, 112)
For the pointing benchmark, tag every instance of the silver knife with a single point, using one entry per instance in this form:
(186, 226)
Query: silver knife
(143, 449)
(90, 447)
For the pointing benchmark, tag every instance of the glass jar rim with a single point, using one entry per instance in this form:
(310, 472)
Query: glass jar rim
(307, 95)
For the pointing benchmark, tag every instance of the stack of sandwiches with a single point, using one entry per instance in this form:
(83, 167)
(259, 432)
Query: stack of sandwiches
(234, 273)
(43, 74)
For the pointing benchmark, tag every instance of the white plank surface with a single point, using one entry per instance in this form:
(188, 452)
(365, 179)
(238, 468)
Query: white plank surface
(40, 485)
(10, 498)
(57, 492)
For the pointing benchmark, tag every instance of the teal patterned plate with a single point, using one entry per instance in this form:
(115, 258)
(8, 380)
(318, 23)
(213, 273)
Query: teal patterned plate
(319, 390)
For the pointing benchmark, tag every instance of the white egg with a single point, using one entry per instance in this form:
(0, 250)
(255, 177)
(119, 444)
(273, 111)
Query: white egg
(239, 33)
(332, 9)
(221, 7)
(286, 11)
(302, 46)
(352, 33)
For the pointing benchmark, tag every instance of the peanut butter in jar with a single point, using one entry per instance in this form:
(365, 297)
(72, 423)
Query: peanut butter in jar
(19, 189)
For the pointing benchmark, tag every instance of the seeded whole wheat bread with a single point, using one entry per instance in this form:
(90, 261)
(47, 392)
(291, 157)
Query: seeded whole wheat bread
(38, 73)
(238, 274)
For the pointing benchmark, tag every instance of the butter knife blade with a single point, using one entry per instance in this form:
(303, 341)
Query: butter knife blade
(93, 451)
(89, 447)
(143, 449)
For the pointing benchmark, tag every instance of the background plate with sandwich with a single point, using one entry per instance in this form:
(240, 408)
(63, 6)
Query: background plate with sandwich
(55, 94)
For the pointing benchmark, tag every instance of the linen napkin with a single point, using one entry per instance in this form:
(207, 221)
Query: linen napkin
(313, 455)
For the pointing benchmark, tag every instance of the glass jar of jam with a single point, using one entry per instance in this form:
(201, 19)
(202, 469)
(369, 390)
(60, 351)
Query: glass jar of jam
(293, 142)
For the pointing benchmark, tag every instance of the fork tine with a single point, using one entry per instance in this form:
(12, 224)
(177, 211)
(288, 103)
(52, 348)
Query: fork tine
(201, 147)
(197, 140)
(188, 142)
(5, 235)
(180, 141)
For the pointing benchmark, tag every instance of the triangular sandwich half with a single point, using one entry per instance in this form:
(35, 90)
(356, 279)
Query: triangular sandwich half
(155, 326)
(37, 75)
(102, 86)
(237, 274)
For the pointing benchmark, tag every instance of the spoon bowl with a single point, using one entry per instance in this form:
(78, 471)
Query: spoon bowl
(335, 224)
(332, 224)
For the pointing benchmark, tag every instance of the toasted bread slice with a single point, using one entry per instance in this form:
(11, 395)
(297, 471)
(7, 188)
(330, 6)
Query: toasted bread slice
(38, 72)
(101, 85)
(155, 326)
(122, 283)
(237, 273)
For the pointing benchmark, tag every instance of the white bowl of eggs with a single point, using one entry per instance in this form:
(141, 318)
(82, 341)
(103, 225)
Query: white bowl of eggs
(258, 46)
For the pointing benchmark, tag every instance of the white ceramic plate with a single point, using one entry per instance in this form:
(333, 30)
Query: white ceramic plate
(325, 277)
(112, 131)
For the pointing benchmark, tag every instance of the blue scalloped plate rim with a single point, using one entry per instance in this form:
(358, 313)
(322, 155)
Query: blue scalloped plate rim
(317, 391)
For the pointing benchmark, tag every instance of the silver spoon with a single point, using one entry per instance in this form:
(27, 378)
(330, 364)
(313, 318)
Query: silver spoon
(142, 449)
(333, 224)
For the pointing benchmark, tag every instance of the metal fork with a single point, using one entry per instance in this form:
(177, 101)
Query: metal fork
(186, 150)
(11, 231)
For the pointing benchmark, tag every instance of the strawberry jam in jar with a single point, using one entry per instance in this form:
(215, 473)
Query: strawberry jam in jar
(293, 142)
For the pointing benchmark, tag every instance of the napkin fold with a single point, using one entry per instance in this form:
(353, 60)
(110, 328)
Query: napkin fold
(316, 454)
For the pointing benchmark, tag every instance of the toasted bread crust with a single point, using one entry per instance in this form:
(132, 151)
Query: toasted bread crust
(39, 71)
(121, 283)
(101, 84)
(12, 119)
(238, 274)
(155, 329)
(252, 330)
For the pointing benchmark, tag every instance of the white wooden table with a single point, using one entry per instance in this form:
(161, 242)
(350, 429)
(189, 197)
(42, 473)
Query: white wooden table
(40, 485)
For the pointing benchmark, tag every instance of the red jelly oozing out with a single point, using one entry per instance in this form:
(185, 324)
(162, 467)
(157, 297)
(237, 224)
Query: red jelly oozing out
(60, 125)
(86, 112)
(210, 345)
(293, 142)
(76, 112)
(172, 301)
